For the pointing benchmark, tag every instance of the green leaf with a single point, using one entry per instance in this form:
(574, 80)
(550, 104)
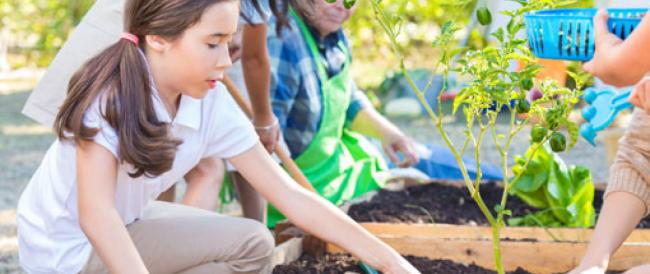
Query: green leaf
(447, 32)
(459, 100)
(498, 34)
(519, 56)
(512, 26)
(521, 2)
(574, 133)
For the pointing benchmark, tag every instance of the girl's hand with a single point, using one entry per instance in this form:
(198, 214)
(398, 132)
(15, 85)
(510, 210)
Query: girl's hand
(639, 269)
(606, 42)
(588, 270)
(641, 95)
(402, 266)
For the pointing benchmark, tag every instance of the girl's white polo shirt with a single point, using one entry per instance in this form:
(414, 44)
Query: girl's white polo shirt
(49, 234)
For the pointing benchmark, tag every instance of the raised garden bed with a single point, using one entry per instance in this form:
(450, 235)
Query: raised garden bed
(404, 219)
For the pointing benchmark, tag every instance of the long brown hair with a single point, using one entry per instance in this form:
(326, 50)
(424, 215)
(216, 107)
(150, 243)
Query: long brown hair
(120, 74)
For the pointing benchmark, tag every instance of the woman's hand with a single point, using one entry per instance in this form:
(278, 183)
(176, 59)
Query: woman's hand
(268, 129)
(641, 95)
(618, 62)
(606, 43)
(395, 142)
(370, 123)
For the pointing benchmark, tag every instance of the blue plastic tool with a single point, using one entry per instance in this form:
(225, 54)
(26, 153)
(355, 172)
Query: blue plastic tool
(367, 269)
(603, 107)
(568, 34)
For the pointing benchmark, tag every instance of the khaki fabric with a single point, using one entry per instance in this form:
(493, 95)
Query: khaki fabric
(173, 238)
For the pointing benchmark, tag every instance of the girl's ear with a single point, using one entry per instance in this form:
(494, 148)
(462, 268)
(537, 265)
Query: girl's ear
(157, 43)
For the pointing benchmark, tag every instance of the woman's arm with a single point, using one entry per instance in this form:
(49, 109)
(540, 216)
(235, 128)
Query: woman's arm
(370, 123)
(99, 220)
(620, 214)
(257, 75)
(204, 183)
(618, 62)
(314, 214)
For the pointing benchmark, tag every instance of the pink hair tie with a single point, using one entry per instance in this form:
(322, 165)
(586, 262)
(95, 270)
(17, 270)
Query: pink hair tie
(131, 37)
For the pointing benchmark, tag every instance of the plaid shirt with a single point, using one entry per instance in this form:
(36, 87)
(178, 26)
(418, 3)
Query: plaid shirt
(295, 84)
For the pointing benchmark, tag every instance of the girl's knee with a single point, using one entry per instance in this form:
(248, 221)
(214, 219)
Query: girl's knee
(254, 250)
(261, 238)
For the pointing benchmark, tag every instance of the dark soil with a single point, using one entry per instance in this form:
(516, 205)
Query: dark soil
(439, 203)
(340, 263)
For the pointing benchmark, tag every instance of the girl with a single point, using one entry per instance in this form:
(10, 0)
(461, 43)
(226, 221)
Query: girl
(627, 198)
(140, 115)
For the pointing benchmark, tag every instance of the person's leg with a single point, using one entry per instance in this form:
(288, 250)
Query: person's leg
(204, 182)
(252, 203)
(174, 238)
(168, 195)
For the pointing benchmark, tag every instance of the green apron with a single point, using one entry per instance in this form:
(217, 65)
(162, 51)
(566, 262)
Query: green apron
(339, 163)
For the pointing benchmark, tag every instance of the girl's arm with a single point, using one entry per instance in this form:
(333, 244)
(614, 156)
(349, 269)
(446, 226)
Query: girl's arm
(99, 220)
(639, 270)
(620, 214)
(370, 123)
(314, 214)
(257, 75)
(618, 62)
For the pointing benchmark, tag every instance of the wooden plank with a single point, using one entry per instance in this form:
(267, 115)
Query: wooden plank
(485, 233)
(536, 257)
(285, 253)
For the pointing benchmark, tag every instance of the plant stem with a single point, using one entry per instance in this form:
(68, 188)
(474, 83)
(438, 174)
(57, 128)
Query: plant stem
(496, 244)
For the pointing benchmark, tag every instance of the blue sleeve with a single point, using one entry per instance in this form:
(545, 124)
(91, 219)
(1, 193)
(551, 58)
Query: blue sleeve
(284, 79)
(252, 15)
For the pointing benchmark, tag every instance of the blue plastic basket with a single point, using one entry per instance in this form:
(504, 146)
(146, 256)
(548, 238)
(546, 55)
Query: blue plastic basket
(568, 34)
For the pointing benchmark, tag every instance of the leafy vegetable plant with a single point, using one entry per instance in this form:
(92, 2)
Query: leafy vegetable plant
(564, 193)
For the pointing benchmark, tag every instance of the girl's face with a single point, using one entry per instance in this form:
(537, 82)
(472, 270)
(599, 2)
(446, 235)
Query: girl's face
(194, 62)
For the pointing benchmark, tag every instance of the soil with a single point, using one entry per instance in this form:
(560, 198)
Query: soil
(440, 203)
(341, 263)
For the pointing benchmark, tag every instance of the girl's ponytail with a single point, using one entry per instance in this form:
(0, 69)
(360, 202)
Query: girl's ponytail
(121, 73)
